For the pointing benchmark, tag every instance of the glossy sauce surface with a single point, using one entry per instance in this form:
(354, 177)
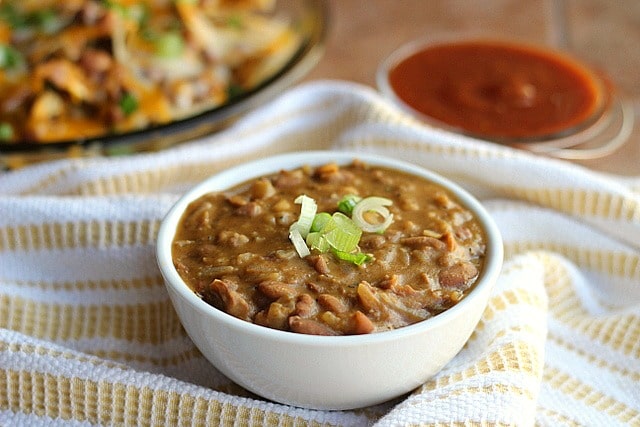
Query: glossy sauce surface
(497, 90)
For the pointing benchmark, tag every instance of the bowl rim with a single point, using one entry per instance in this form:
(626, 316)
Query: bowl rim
(253, 169)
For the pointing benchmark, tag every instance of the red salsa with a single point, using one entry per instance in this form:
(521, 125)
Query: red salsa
(498, 90)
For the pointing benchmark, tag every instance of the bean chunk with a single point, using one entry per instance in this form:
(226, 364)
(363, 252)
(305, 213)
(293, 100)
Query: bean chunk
(331, 303)
(274, 289)
(309, 326)
(361, 324)
(228, 299)
(458, 275)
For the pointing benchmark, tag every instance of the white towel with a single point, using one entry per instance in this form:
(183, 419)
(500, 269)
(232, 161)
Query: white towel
(88, 335)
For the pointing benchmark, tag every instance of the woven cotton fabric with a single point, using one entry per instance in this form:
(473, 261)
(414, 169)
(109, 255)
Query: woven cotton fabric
(88, 335)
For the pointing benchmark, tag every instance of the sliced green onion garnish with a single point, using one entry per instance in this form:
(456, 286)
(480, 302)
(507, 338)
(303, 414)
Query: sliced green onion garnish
(357, 258)
(300, 229)
(322, 224)
(6, 131)
(347, 203)
(235, 22)
(10, 15)
(139, 13)
(128, 104)
(10, 58)
(320, 221)
(338, 233)
(234, 90)
(376, 205)
(308, 208)
(169, 45)
(46, 20)
(318, 241)
(298, 242)
(117, 7)
(345, 235)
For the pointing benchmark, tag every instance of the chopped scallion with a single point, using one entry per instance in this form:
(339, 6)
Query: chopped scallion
(338, 232)
(46, 20)
(169, 45)
(139, 13)
(347, 203)
(308, 208)
(345, 235)
(377, 206)
(234, 90)
(10, 15)
(121, 9)
(318, 241)
(10, 58)
(357, 258)
(128, 104)
(298, 242)
(320, 221)
(235, 22)
(6, 131)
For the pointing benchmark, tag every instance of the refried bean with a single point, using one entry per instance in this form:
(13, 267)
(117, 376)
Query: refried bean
(233, 249)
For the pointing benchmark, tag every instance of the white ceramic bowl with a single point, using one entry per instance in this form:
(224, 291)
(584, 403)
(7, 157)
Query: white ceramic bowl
(337, 372)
